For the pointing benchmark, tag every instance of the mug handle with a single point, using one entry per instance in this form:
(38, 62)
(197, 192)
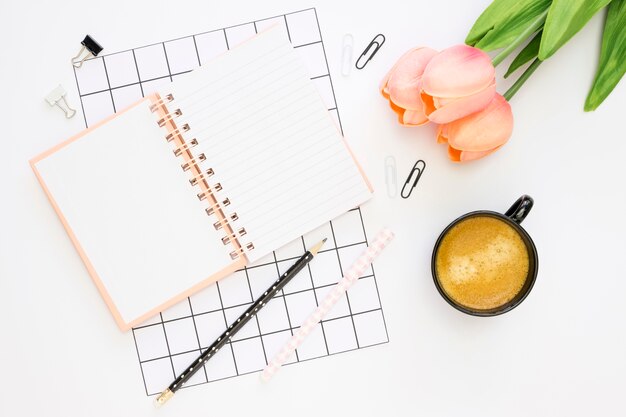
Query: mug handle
(520, 209)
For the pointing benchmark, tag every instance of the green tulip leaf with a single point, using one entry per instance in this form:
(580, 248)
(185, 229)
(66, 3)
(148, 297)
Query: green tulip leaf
(523, 14)
(612, 65)
(496, 12)
(526, 55)
(565, 19)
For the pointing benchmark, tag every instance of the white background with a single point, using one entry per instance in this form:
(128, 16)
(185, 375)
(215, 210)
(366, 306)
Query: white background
(560, 353)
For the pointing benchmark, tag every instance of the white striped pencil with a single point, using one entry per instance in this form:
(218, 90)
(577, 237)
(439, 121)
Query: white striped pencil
(356, 270)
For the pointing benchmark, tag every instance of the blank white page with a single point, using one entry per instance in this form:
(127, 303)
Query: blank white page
(272, 145)
(130, 205)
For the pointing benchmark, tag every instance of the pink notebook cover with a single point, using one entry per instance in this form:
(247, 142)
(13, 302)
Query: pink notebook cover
(123, 325)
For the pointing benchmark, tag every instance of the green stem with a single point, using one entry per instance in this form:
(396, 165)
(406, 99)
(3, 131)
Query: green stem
(521, 80)
(534, 26)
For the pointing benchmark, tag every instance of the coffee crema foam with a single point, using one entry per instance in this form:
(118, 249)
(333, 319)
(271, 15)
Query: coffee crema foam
(482, 263)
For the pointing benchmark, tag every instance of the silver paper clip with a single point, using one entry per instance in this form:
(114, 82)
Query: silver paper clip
(391, 177)
(415, 175)
(57, 98)
(346, 54)
(371, 50)
(90, 48)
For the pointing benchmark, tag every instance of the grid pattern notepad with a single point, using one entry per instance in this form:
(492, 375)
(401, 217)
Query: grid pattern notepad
(166, 343)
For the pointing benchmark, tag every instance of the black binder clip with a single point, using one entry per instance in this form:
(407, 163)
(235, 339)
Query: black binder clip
(370, 51)
(89, 49)
(415, 174)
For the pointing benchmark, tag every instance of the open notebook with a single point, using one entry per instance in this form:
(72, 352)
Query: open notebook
(231, 162)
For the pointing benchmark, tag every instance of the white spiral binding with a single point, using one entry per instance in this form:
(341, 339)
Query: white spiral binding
(203, 176)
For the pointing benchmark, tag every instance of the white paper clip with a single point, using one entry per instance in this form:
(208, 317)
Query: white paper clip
(57, 98)
(391, 174)
(346, 54)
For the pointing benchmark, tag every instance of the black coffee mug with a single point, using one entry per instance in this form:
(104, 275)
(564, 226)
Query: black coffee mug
(513, 217)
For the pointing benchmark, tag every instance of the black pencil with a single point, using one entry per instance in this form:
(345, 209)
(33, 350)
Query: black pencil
(197, 364)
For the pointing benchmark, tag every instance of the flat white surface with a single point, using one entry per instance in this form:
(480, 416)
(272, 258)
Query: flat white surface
(560, 353)
(128, 202)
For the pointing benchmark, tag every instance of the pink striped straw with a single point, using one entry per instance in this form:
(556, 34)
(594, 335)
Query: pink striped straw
(356, 270)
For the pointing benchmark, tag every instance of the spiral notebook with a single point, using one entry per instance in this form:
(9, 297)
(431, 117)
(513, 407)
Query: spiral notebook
(192, 183)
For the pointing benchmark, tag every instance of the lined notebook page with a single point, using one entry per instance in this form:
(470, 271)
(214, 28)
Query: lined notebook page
(270, 140)
(130, 206)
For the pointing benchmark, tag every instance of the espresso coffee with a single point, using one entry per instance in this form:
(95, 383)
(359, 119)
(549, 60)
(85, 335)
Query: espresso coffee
(482, 263)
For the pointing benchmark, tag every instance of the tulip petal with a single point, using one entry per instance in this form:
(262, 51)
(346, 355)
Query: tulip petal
(442, 134)
(472, 156)
(483, 130)
(407, 97)
(414, 118)
(403, 82)
(428, 102)
(382, 87)
(385, 92)
(456, 155)
(458, 71)
(448, 110)
(399, 111)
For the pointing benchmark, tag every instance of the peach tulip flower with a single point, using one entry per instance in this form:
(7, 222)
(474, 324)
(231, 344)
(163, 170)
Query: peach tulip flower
(457, 82)
(478, 134)
(401, 86)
